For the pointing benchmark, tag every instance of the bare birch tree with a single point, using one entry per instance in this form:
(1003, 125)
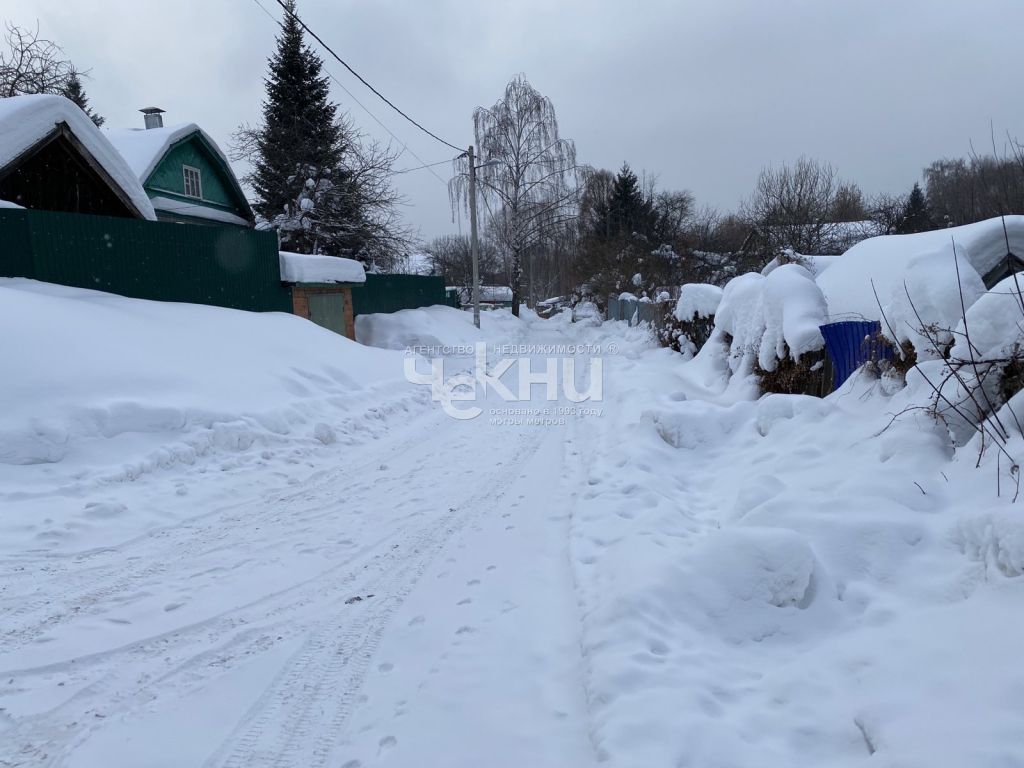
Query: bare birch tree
(527, 173)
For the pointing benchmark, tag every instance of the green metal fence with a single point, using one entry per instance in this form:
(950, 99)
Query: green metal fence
(223, 266)
(390, 293)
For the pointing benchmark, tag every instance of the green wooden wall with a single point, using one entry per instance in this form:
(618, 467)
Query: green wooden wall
(167, 179)
(222, 266)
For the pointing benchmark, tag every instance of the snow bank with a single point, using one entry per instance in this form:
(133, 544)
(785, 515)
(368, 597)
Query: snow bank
(25, 120)
(768, 318)
(438, 329)
(803, 593)
(995, 323)
(95, 367)
(697, 299)
(307, 268)
(927, 307)
(891, 260)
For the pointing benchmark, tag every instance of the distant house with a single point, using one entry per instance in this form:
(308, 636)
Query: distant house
(53, 158)
(183, 171)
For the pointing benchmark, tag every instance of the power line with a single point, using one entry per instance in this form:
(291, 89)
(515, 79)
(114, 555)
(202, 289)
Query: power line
(426, 165)
(360, 78)
(405, 146)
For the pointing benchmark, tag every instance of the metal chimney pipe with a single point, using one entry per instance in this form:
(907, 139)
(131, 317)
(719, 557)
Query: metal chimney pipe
(153, 117)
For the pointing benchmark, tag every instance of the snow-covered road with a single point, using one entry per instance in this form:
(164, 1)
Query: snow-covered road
(413, 600)
(688, 578)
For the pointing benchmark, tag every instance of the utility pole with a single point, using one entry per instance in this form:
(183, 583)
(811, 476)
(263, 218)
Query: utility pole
(473, 247)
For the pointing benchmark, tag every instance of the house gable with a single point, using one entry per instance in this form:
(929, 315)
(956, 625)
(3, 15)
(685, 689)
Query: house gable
(60, 174)
(222, 198)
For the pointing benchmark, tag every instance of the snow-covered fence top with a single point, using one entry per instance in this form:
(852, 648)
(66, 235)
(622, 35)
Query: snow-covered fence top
(27, 120)
(308, 268)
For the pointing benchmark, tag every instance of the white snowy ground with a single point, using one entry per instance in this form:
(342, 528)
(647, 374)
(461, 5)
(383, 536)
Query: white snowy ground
(237, 540)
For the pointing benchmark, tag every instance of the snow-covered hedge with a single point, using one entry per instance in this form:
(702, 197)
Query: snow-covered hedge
(770, 318)
(697, 300)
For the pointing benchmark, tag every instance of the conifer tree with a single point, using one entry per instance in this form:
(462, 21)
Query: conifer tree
(74, 91)
(916, 216)
(630, 211)
(300, 184)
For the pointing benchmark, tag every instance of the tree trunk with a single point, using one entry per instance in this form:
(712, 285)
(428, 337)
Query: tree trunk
(517, 279)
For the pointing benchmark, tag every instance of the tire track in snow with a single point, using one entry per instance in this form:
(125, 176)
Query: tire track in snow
(164, 551)
(300, 719)
(187, 658)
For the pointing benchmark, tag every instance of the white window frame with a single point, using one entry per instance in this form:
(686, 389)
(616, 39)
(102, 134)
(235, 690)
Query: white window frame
(197, 178)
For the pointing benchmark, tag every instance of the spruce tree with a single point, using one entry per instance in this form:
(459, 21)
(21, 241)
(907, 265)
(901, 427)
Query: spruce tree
(297, 174)
(916, 216)
(74, 91)
(629, 210)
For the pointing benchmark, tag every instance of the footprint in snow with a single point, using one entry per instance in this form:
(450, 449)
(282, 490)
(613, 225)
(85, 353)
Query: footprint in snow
(387, 742)
(465, 630)
(417, 620)
(464, 601)
(386, 667)
(472, 582)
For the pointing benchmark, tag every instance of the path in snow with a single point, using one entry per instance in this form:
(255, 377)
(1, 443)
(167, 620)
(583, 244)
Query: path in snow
(413, 606)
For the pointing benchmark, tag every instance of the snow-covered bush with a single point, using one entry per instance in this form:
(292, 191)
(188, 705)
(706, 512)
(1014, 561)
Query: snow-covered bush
(697, 301)
(770, 324)
(972, 390)
(687, 327)
(924, 311)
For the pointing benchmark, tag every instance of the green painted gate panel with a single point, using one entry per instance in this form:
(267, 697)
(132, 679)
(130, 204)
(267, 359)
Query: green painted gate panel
(390, 293)
(328, 310)
(222, 266)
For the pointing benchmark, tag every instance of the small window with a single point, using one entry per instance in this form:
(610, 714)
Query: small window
(193, 182)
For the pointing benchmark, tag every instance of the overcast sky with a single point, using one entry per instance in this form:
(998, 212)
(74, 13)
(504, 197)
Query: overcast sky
(701, 92)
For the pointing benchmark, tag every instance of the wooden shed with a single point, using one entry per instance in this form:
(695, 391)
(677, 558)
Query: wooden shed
(321, 288)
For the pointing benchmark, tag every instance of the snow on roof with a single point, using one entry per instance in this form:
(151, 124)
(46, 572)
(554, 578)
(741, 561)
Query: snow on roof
(143, 148)
(9, 204)
(27, 120)
(889, 260)
(308, 268)
(198, 211)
